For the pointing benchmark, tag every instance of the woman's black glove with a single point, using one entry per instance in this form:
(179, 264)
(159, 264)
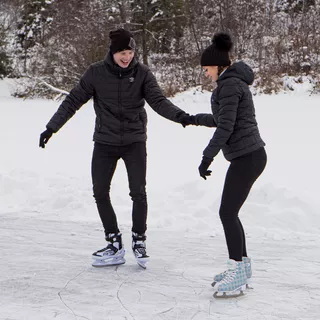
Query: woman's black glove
(203, 168)
(44, 137)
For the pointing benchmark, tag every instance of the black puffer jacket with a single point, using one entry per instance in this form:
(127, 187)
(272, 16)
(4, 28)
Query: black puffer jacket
(119, 97)
(233, 114)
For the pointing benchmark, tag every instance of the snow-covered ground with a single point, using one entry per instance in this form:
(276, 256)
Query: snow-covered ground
(49, 224)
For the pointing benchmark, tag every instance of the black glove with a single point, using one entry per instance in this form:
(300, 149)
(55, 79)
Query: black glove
(44, 137)
(203, 168)
(186, 120)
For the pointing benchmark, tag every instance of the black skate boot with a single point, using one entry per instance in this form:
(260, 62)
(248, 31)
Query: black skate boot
(139, 249)
(112, 254)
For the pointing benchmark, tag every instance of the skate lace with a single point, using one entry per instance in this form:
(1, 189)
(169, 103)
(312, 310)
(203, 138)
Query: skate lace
(141, 250)
(140, 244)
(223, 274)
(229, 275)
(110, 249)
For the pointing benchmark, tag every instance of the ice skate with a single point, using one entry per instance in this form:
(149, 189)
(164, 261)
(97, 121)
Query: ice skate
(139, 249)
(247, 264)
(234, 281)
(112, 254)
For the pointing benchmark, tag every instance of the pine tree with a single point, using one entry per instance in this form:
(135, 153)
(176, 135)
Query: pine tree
(157, 24)
(33, 24)
(5, 25)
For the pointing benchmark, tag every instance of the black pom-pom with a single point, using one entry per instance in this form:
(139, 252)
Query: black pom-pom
(222, 41)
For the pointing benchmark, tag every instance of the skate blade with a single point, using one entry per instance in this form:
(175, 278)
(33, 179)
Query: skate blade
(119, 255)
(249, 284)
(142, 262)
(230, 294)
(107, 263)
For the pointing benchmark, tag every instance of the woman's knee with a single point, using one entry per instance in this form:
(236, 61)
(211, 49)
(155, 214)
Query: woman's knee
(227, 216)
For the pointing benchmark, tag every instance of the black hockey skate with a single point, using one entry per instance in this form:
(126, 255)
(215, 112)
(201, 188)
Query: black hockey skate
(112, 254)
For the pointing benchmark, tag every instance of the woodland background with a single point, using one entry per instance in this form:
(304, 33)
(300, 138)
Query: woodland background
(46, 45)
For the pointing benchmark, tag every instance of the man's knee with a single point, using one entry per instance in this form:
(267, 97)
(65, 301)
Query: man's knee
(139, 195)
(101, 193)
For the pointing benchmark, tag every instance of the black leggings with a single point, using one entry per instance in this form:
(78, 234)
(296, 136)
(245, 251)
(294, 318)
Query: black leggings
(241, 175)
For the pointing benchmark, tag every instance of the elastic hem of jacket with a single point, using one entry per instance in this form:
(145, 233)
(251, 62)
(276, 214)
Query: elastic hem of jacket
(234, 155)
(118, 144)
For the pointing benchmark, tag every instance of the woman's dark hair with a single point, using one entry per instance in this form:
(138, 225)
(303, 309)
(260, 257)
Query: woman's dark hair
(221, 68)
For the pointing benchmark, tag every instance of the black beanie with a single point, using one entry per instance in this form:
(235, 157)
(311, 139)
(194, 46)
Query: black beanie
(217, 54)
(121, 39)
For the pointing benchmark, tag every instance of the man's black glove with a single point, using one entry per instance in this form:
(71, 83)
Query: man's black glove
(186, 120)
(203, 168)
(44, 137)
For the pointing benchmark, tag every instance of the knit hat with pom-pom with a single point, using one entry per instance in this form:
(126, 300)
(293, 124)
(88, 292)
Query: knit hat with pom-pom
(217, 54)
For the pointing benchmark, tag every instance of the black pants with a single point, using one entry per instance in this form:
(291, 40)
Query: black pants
(241, 175)
(104, 162)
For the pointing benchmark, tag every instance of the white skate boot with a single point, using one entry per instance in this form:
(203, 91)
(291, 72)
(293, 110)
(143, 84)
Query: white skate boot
(247, 264)
(234, 281)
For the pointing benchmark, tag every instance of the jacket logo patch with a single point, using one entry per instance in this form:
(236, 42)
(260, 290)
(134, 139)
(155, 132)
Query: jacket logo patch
(132, 44)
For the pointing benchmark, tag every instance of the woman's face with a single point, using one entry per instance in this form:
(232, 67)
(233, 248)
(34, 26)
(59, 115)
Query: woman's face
(123, 58)
(211, 71)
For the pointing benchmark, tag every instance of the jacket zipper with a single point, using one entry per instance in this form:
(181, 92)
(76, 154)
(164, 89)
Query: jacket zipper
(120, 110)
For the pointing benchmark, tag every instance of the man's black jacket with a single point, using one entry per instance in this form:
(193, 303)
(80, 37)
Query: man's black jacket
(119, 96)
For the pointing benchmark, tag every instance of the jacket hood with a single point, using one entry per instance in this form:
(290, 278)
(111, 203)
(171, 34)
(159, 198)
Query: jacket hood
(239, 70)
(115, 68)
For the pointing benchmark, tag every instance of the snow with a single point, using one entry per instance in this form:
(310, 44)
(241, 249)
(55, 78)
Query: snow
(50, 226)
(300, 84)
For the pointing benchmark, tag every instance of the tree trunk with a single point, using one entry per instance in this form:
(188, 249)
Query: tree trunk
(144, 35)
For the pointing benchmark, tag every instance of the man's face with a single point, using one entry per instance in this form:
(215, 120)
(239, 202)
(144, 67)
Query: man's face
(123, 58)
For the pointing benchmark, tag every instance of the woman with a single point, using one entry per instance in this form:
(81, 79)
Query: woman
(237, 135)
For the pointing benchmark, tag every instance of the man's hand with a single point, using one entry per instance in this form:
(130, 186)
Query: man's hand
(186, 120)
(203, 168)
(44, 137)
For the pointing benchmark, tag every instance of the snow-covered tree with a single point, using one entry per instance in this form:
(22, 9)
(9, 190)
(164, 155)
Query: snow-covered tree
(6, 21)
(33, 25)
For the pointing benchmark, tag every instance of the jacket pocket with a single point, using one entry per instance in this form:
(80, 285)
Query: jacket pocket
(98, 124)
(144, 120)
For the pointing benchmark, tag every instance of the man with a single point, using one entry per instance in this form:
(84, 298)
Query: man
(119, 86)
